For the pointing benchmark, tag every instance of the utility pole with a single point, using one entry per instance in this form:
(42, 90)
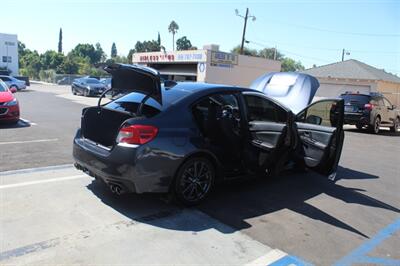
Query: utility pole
(344, 52)
(275, 53)
(244, 27)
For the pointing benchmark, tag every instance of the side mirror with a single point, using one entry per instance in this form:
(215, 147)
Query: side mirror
(313, 119)
(13, 90)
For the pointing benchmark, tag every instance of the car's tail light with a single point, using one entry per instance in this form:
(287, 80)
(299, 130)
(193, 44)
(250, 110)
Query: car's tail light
(369, 106)
(137, 134)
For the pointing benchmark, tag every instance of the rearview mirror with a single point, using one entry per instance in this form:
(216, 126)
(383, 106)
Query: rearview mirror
(13, 90)
(313, 119)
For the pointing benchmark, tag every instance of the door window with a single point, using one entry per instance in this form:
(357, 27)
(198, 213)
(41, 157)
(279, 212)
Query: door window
(261, 109)
(216, 114)
(387, 103)
(322, 113)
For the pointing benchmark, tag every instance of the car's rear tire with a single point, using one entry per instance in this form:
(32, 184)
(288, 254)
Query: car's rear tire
(359, 126)
(15, 87)
(194, 181)
(374, 128)
(73, 91)
(396, 125)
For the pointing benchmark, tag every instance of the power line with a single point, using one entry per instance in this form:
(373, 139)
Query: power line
(395, 35)
(333, 49)
(289, 52)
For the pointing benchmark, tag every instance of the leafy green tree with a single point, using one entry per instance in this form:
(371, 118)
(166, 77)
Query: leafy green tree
(183, 44)
(68, 66)
(130, 55)
(51, 59)
(87, 50)
(269, 53)
(31, 64)
(173, 28)
(113, 50)
(100, 52)
(246, 51)
(60, 41)
(290, 65)
(147, 46)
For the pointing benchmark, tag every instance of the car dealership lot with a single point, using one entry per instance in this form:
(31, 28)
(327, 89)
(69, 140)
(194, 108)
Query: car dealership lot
(59, 215)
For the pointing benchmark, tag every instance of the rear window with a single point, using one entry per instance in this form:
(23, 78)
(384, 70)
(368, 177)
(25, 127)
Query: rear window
(355, 98)
(130, 103)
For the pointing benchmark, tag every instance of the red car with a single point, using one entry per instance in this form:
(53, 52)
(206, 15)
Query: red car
(9, 107)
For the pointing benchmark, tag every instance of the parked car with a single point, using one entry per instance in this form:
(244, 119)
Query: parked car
(370, 111)
(184, 138)
(13, 82)
(106, 82)
(9, 107)
(87, 87)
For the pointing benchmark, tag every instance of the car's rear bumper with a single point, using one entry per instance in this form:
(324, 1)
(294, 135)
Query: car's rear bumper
(130, 167)
(356, 119)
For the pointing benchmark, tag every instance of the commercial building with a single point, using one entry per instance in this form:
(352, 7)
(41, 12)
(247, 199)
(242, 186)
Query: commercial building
(353, 75)
(9, 52)
(207, 65)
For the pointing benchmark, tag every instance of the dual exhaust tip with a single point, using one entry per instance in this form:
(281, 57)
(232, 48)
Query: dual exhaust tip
(115, 188)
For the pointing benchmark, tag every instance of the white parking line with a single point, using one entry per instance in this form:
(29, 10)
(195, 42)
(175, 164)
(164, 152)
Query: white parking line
(27, 141)
(22, 184)
(267, 259)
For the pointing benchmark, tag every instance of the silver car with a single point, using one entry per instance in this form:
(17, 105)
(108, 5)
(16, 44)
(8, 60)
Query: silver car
(13, 82)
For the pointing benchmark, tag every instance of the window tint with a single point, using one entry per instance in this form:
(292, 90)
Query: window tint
(5, 78)
(355, 98)
(322, 113)
(387, 103)
(261, 109)
(211, 111)
(130, 103)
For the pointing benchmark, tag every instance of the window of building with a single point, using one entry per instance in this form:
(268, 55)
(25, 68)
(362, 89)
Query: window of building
(6, 59)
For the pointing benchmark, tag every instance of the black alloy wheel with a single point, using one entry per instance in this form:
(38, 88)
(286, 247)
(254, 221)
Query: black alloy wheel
(194, 181)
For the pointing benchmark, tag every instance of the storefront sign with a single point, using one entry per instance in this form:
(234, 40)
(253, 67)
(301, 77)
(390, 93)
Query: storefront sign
(183, 56)
(218, 58)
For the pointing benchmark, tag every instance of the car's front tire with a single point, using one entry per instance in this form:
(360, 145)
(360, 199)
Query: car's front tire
(194, 181)
(86, 93)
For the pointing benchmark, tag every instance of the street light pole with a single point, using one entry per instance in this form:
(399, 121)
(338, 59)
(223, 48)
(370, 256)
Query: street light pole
(244, 26)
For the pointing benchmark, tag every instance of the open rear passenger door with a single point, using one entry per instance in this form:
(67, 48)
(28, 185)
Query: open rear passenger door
(320, 131)
(269, 137)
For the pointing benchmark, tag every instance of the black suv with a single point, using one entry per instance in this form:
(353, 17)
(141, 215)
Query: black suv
(371, 110)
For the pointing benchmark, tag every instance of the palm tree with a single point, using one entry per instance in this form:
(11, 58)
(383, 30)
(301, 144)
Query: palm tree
(173, 28)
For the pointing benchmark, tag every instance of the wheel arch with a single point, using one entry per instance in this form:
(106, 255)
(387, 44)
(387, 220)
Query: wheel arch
(204, 154)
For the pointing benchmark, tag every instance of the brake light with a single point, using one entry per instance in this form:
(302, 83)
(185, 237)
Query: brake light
(137, 134)
(369, 106)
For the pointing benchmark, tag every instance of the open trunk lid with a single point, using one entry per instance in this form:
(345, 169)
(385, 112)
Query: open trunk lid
(136, 78)
(294, 90)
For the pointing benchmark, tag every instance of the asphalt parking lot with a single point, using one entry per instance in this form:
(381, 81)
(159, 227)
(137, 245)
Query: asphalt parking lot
(54, 214)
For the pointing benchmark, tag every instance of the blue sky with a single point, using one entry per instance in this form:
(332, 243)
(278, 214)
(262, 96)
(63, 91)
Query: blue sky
(313, 32)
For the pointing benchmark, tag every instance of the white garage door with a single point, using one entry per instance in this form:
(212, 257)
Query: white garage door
(334, 90)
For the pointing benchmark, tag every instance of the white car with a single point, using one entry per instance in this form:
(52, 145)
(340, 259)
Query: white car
(13, 82)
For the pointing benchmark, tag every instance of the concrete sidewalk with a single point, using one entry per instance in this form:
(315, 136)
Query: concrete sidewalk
(57, 215)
